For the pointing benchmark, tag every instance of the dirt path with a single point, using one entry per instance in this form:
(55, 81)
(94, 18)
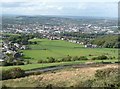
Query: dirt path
(70, 66)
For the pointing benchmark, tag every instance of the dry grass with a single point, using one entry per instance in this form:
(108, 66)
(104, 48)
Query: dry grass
(66, 77)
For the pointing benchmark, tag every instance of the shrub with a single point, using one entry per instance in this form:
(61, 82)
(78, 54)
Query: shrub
(4, 63)
(43, 61)
(28, 62)
(35, 42)
(90, 55)
(18, 62)
(87, 83)
(49, 86)
(110, 57)
(102, 57)
(51, 59)
(68, 58)
(83, 58)
(59, 60)
(5, 74)
(63, 59)
(24, 57)
(106, 78)
(114, 57)
(40, 61)
(105, 72)
(4, 87)
(13, 73)
(94, 58)
(75, 58)
(17, 72)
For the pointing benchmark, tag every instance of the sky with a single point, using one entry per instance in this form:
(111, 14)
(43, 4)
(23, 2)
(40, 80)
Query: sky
(97, 8)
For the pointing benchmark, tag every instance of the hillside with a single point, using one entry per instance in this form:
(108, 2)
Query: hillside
(108, 41)
(68, 77)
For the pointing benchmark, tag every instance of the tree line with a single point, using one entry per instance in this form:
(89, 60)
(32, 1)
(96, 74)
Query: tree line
(107, 41)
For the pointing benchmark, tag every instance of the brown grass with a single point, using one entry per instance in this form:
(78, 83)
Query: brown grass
(66, 77)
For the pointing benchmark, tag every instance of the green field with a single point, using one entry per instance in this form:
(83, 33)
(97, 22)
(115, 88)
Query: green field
(46, 65)
(42, 65)
(58, 49)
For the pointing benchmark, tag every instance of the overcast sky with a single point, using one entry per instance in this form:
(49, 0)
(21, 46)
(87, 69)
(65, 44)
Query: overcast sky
(103, 8)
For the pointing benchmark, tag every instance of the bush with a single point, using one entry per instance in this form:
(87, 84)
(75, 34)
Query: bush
(13, 73)
(44, 61)
(40, 61)
(51, 59)
(18, 62)
(4, 63)
(24, 57)
(87, 83)
(90, 55)
(108, 78)
(4, 87)
(114, 57)
(59, 60)
(110, 57)
(17, 72)
(105, 72)
(35, 42)
(68, 58)
(75, 58)
(28, 62)
(5, 74)
(49, 86)
(94, 58)
(102, 57)
(83, 58)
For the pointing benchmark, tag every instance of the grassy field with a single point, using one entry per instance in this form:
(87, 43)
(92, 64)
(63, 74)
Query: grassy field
(46, 65)
(58, 49)
(67, 77)
(42, 65)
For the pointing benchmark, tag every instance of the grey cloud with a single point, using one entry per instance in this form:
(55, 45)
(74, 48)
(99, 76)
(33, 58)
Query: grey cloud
(12, 4)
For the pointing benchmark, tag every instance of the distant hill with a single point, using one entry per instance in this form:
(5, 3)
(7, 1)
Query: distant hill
(58, 20)
(108, 41)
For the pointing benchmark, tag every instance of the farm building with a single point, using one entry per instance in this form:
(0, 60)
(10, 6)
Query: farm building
(91, 46)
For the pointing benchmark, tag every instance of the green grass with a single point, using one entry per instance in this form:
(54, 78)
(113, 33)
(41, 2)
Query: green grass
(42, 65)
(46, 65)
(58, 49)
